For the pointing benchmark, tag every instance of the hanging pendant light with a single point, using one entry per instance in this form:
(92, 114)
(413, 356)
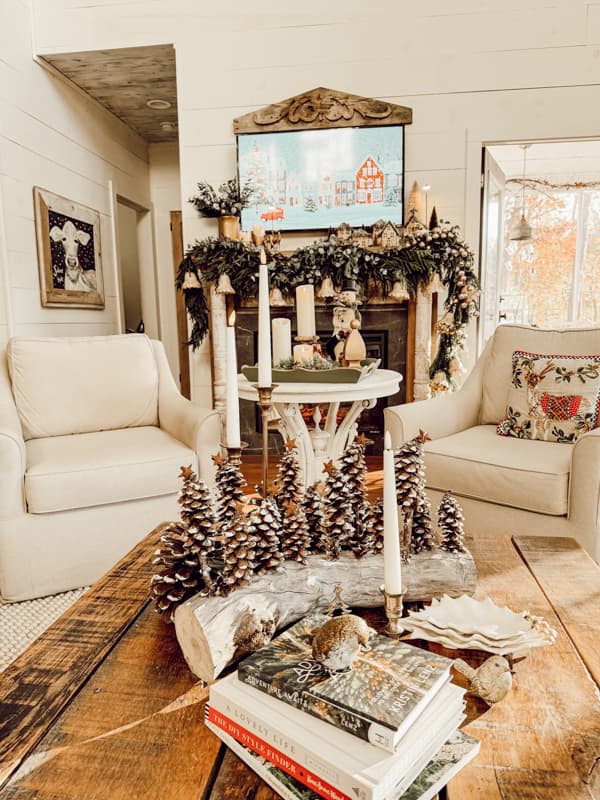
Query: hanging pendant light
(521, 231)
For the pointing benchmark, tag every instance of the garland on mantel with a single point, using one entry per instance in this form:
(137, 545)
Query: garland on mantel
(423, 256)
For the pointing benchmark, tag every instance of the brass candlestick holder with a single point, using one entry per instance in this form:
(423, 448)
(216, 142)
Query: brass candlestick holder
(234, 454)
(264, 403)
(393, 606)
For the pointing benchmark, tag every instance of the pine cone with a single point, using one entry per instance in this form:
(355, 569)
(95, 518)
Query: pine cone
(179, 574)
(239, 553)
(451, 524)
(338, 511)
(288, 480)
(295, 536)
(229, 483)
(265, 524)
(315, 518)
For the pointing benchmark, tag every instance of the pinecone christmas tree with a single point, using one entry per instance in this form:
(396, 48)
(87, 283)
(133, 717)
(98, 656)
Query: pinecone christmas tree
(295, 535)
(239, 552)
(338, 512)
(315, 518)
(451, 524)
(288, 482)
(410, 491)
(229, 482)
(265, 524)
(179, 575)
(354, 469)
(362, 540)
(377, 516)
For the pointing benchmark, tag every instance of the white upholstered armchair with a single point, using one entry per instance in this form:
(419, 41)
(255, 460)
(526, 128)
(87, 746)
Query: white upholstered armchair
(93, 432)
(507, 484)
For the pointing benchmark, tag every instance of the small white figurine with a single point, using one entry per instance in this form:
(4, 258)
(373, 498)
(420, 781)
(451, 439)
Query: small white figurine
(491, 681)
(338, 641)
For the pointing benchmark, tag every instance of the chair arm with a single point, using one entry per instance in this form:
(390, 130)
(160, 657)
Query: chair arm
(13, 463)
(584, 491)
(197, 427)
(440, 416)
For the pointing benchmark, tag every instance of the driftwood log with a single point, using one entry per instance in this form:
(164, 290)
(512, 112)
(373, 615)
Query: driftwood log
(214, 631)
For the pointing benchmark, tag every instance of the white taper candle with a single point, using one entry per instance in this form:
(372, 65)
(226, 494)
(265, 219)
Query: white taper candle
(281, 328)
(392, 570)
(305, 311)
(265, 377)
(232, 401)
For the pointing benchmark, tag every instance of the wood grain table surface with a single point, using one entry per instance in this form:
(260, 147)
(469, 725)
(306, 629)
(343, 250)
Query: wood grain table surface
(103, 706)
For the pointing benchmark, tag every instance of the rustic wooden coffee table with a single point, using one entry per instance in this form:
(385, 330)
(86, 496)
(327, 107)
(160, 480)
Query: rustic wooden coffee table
(103, 705)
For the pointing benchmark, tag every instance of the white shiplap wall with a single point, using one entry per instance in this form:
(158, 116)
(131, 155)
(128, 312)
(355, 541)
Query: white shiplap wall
(52, 136)
(473, 71)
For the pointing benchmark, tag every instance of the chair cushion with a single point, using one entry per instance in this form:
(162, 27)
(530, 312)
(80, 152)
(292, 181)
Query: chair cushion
(89, 469)
(497, 375)
(476, 463)
(80, 385)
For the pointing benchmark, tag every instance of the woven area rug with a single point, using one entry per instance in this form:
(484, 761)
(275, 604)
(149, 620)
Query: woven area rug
(22, 623)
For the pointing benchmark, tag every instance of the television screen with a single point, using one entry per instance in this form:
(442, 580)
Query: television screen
(317, 179)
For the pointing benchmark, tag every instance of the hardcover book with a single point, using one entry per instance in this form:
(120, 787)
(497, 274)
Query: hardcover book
(447, 762)
(390, 684)
(332, 762)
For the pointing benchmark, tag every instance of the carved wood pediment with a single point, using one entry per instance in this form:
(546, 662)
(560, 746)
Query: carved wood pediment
(322, 108)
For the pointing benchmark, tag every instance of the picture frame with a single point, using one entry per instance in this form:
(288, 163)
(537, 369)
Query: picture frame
(69, 252)
(322, 158)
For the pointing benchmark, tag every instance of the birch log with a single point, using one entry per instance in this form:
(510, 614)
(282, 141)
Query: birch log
(214, 631)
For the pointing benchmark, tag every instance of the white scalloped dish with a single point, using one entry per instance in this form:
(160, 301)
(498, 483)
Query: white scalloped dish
(463, 622)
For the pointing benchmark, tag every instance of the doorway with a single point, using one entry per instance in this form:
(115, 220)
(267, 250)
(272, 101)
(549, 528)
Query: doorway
(540, 234)
(139, 298)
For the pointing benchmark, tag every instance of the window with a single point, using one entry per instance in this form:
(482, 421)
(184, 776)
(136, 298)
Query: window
(555, 277)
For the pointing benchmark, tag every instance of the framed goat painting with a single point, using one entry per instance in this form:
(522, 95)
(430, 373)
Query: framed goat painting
(69, 253)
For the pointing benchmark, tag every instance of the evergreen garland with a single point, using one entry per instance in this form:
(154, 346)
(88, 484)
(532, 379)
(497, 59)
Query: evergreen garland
(424, 253)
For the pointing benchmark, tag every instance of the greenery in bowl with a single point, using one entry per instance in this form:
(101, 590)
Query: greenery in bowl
(226, 201)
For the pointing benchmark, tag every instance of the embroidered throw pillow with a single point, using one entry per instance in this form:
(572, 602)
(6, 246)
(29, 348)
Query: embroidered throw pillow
(554, 398)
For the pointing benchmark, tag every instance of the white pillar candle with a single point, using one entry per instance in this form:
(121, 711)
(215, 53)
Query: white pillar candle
(302, 353)
(281, 329)
(305, 310)
(232, 401)
(264, 325)
(392, 570)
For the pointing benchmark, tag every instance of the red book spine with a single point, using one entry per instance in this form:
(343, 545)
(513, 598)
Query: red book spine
(275, 756)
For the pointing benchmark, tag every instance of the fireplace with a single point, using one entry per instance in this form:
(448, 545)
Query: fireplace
(384, 328)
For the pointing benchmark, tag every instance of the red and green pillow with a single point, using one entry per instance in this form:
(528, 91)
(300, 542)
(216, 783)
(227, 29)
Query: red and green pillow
(555, 398)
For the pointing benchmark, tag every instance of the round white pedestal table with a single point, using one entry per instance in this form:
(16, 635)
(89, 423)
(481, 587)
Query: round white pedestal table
(323, 443)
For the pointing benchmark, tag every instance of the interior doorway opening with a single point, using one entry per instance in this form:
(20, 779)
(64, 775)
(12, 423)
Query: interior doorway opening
(139, 297)
(540, 247)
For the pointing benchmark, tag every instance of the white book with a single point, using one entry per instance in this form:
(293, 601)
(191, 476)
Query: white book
(341, 765)
(452, 756)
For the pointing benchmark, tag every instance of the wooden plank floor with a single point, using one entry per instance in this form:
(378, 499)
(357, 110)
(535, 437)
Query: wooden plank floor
(252, 469)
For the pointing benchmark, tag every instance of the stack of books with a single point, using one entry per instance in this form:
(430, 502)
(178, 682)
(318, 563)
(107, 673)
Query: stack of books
(387, 729)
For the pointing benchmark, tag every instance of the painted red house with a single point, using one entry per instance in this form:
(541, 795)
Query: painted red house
(369, 182)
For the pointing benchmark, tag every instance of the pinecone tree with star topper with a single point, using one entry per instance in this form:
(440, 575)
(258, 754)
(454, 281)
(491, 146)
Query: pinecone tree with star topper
(189, 554)
(337, 510)
(410, 491)
(362, 540)
(295, 535)
(312, 503)
(229, 483)
(239, 552)
(288, 483)
(265, 523)
(451, 523)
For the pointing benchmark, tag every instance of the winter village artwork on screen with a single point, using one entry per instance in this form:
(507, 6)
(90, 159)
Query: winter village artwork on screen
(315, 179)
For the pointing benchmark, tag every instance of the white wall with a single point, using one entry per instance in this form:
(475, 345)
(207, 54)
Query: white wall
(473, 71)
(165, 193)
(52, 136)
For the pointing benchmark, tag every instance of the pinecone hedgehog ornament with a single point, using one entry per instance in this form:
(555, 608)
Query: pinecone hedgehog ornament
(337, 643)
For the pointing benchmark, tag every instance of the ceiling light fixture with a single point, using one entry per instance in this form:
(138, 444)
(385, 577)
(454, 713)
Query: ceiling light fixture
(521, 231)
(157, 104)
